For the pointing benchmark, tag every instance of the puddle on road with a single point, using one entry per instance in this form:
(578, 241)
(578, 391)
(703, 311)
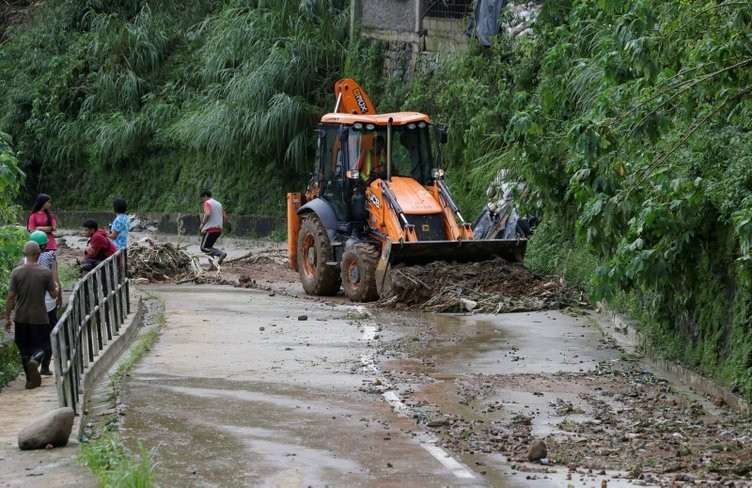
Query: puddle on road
(468, 360)
(206, 435)
(275, 432)
(225, 433)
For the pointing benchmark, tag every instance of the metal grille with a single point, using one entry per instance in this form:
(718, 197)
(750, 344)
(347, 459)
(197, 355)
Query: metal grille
(447, 9)
(428, 227)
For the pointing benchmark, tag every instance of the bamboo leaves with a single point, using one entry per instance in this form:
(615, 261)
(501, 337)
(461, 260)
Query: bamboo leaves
(268, 70)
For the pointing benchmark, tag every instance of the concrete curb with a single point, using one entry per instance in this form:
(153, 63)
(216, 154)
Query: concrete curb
(622, 329)
(104, 362)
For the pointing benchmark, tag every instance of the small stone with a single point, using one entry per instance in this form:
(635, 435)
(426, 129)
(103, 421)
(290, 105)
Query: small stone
(438, 422)
(302, 317)
(538, 450)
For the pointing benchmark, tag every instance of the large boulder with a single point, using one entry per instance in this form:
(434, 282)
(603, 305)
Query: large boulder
(53, 428)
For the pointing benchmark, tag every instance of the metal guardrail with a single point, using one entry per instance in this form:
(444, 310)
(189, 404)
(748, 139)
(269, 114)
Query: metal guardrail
(447, 9)
(97, 308)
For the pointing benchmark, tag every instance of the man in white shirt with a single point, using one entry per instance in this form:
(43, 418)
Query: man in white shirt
(212, 223)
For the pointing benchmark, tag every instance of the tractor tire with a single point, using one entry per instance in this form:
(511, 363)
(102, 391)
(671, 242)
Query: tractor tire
(358, 269)
(314, 251)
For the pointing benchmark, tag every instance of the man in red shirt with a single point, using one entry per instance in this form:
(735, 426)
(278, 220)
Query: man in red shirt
(99, 247)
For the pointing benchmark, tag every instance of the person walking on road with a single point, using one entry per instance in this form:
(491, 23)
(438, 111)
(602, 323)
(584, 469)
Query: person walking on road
(41, 218)
(47, 259)
(119, 226)
(212, 222)
(28, 284)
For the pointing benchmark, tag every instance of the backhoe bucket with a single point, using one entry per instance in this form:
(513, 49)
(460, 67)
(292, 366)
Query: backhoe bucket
(424, 252)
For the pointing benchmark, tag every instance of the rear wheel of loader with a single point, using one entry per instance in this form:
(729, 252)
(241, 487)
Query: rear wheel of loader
(314, 251)
(359, 272)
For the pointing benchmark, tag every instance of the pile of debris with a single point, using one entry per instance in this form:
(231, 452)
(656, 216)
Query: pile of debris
(493, 286)
(160, 262)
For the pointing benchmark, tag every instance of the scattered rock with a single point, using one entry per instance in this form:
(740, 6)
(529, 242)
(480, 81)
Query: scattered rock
(537, 451)
(53, 428)
(442, 422)
(492, 286)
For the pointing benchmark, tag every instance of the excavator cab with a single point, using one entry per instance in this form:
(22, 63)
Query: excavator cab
(409, 153)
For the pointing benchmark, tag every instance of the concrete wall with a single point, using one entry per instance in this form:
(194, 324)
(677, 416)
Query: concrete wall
(444, 35)
(389, 15)
(401, 24)
(183, 223)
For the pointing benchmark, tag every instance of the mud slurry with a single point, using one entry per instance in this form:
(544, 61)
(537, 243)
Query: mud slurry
(491, 286)
(607, 417)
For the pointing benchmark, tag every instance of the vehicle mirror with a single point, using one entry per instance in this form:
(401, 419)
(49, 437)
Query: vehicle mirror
(441, 134)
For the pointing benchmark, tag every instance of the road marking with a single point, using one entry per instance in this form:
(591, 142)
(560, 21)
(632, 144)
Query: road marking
(448, 461)
(368, 362)
(457, 469)
(369, 333)
(397, 404)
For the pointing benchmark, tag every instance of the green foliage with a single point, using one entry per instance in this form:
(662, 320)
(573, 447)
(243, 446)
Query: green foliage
(11, 243)
(10, 361)
(10, 180)
(68, 274)
(553, 251)
(267, 71)
(114, 465)
(11, 237)
(630, 123)
(122, 98)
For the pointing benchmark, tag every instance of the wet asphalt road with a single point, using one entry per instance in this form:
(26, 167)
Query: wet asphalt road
(251, 388)
(248, 389)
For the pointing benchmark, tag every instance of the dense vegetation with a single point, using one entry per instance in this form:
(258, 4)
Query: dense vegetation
(154, 101)
(630, 122)
(11, 243)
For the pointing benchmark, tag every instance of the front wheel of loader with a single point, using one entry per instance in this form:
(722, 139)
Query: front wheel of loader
(359, 272)
(314, 251)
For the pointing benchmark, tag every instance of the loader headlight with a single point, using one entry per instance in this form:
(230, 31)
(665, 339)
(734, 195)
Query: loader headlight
(437, 173)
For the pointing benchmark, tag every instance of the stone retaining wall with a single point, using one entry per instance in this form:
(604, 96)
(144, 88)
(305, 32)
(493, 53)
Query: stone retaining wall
(413, 42)
(183, 223)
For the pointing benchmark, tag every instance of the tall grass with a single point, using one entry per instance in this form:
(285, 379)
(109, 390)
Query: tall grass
(115, 466)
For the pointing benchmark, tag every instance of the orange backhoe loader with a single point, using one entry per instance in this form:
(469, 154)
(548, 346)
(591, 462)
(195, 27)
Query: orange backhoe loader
(377, 198)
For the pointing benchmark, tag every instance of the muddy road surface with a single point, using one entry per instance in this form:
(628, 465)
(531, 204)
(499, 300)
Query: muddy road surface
(250, 388)
(254, 384)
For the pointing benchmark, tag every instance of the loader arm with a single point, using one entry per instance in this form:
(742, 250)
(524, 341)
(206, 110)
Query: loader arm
(352, 99)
